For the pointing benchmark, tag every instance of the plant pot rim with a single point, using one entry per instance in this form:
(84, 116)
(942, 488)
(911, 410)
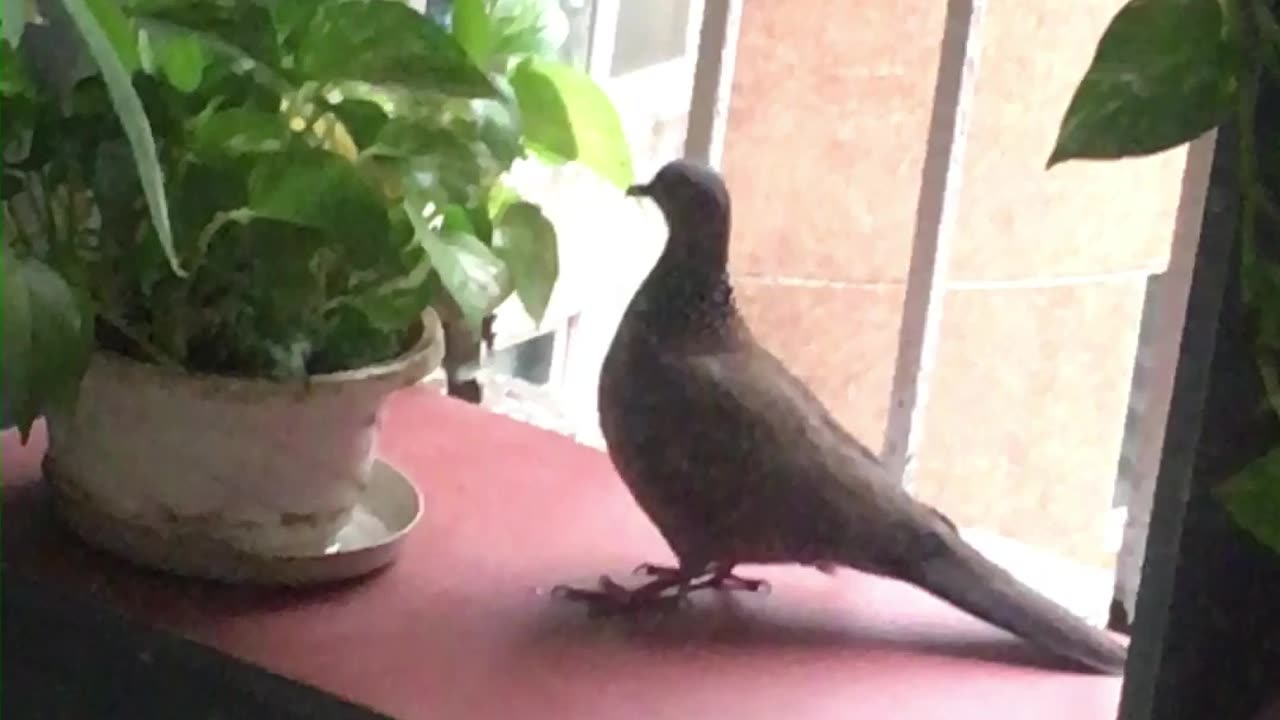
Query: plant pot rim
(420, 359)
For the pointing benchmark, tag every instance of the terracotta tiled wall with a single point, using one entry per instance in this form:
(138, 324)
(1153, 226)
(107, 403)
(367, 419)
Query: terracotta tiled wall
(828, 125)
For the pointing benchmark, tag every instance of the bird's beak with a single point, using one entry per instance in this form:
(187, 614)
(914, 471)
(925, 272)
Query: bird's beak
(640, 190)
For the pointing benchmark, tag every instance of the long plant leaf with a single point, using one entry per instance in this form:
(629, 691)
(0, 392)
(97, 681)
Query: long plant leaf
(133, 117)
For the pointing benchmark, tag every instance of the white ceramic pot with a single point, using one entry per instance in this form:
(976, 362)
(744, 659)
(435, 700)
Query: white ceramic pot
(264, 468)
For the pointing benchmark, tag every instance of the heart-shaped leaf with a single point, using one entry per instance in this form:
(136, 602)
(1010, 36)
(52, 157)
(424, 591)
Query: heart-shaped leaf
(181, 59)
(568, 117)
(318, 189)
(1163, 74)
(382, 41)
(526, 241)
(239, 131)
(476, 279)
(46, 343)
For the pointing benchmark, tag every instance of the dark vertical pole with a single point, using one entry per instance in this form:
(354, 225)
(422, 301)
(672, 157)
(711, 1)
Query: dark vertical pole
(1206, 641)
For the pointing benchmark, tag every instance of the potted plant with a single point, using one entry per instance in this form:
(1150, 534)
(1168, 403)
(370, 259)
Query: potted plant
(232, 229)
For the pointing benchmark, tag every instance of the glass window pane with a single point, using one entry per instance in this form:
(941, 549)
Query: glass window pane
(577, 45)
(649, 32)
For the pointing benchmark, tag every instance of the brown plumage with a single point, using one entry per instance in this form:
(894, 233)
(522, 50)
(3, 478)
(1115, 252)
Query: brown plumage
(736, 461)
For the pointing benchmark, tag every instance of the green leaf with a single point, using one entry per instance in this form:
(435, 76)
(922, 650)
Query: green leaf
(240, 131)
(14, 79)
(439, 164)
(290, 17)
(46, 346)
(180, 58)
(362, 118)
(1165, 72)
(471, 28)
(382, 41)
(455, 219)
(119, 30)
(568, 117)
(526, 241)
(1268, 37)
(243, 44)
(1261, 281)
(16, 357)
(477, 279)
(392, 306)
(527, 27)
(235, 29)
(1253, 499)
(128, 106)
(321, 190)
(500, 197)
(497, 123)
(13, 17)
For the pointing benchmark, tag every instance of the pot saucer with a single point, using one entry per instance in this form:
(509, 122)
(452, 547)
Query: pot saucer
(387, 510)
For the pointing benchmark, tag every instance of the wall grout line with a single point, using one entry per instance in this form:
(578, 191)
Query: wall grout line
(1117, 276)
(937, 214)
(792, 281)
(1033, 283)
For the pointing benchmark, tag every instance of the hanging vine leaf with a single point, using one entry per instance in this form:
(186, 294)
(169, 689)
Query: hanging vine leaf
(1164, 73)
(526, 241)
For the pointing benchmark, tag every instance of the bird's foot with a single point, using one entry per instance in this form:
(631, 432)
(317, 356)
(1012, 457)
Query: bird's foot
(612, 598)
(714, 578)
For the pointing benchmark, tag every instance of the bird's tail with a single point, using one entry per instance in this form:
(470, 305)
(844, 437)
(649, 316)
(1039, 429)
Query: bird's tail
(956, 572)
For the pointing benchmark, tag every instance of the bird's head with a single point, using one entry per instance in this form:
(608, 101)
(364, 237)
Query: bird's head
(695, 202)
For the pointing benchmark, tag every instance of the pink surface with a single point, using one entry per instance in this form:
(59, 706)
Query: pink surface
(462, 627)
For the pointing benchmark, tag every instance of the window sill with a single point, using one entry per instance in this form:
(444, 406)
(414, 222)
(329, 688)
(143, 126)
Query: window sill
(461, 625)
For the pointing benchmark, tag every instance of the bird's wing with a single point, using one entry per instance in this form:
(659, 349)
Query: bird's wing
(831, 496)
(799, 472)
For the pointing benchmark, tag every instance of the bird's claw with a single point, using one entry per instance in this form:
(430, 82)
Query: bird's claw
(612, 598)
(657, 571)
(711, 579)
(734, 582)
(668, 589)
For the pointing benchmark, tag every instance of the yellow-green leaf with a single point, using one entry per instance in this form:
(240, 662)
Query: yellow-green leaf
(567, 116)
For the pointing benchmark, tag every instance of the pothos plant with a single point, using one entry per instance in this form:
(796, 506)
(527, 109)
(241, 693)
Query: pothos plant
(272, 188)
(1164, 73)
